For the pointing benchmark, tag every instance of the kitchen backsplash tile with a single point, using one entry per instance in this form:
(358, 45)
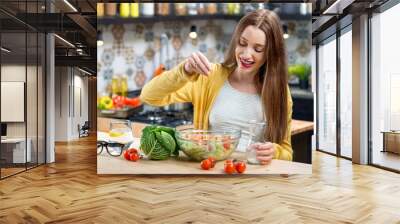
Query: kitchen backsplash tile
(136, 50)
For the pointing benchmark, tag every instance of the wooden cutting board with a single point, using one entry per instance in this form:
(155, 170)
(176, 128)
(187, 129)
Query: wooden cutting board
(181, 165)
(107, 164)
(118, 165)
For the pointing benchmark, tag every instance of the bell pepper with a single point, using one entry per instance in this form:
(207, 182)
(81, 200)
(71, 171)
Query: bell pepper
(132, 102)
(105, 103)
(118, 101)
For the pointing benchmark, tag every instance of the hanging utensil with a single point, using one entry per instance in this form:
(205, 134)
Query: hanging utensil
(140, 79)
(165, 42)
(149, 53)
(177, 42)
(161, 68)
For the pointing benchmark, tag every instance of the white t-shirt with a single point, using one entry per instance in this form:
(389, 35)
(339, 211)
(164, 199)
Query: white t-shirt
(233, 108)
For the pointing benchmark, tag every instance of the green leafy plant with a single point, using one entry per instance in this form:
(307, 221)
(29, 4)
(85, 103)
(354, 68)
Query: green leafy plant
(302, 71)
(159, 142)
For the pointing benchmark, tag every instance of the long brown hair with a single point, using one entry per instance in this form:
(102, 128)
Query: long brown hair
(272, 78)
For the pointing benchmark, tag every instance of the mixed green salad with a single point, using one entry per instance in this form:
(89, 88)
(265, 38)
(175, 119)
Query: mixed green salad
(199, 148)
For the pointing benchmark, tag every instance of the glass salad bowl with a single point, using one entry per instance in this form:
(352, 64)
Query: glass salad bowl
(201, 144)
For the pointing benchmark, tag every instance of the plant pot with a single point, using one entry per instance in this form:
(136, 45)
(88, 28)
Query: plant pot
(303, 84)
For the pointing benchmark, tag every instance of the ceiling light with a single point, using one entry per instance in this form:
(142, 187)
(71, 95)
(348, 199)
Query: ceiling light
(285, 32)
(285, 36)
(333, 6)
(79, 51)
(5, 49)
(65, 41)
(84, 71)
(70, 5)
(100, 41)
(338, 6)
(193, 33)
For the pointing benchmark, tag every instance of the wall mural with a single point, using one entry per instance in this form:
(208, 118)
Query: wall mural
(135, 51)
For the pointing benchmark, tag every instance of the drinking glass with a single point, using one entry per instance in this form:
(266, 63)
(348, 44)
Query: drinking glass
(121, 132)
(256, 135)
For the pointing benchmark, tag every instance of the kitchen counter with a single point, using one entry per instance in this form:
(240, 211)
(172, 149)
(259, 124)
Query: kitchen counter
(181, 166)
(302, 132)
(301, 126)
(104, 123)
(118, 165)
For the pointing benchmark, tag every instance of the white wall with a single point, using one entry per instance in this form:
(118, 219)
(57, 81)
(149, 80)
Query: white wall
(17, 73)
(80, 115)
(71, 93)
(33, 126)
(61, 103)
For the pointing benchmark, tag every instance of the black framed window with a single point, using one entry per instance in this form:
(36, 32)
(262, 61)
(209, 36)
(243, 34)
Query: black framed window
(345, 93)
(326, 111)
(384, 109)
(334, 92)
(22, 76)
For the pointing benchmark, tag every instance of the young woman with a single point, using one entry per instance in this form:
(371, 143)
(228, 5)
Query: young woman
(251, 84)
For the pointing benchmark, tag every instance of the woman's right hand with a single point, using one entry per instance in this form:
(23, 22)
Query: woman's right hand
(197, 63)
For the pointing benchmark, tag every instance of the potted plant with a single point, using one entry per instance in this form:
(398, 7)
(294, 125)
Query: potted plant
(303, 72)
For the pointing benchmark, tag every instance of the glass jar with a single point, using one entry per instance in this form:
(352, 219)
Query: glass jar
(192, 8)
(256, 136)
(148, 9)
(212, 8)
(180, 9)
(201, 10)
(163, 9)
(134, 10)
(121, 131)
(230, 8)
(124, 10)
(100, 9)
(111, 9)
(236, 9)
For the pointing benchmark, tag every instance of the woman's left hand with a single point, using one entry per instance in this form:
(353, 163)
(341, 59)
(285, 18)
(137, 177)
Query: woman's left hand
(265, 152)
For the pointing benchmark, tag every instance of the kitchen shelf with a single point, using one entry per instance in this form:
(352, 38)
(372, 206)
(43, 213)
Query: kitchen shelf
(110, 20)
(156, 18)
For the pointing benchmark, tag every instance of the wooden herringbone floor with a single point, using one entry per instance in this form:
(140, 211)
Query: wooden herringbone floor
(69, 191)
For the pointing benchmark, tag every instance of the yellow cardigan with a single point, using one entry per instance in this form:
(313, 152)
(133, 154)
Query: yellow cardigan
(175, 86)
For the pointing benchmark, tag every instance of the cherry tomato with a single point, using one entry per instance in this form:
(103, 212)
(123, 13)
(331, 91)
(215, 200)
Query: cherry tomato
(127, 155)
(226, 140)
(134, 157)
(128, 152)
(132, 150)
(118, 101)
(213, 162)
(206, 164)
(240, 167)
(227, 145)
(229, 168)
(196, 137)
(228, 161)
